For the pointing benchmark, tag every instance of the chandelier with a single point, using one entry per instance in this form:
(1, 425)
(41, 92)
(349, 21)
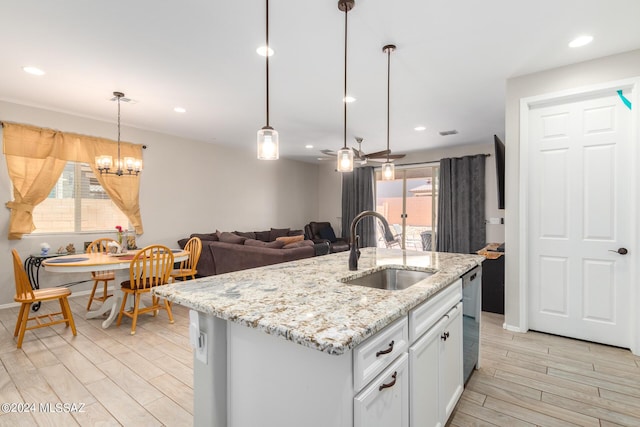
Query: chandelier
(126, 166)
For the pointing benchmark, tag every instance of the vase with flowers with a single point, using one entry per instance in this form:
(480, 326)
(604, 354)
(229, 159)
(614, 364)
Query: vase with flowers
(119, 228)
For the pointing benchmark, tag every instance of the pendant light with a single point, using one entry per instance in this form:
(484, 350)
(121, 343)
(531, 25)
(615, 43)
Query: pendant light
(267, 136)
(388, 169)
(345, 154)
(126, 166)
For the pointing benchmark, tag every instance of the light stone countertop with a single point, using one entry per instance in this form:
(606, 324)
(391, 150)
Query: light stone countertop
(305, 302)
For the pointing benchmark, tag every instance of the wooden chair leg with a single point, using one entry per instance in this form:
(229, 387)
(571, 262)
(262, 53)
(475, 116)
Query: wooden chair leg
(19, 320)
(23, 323)
(69, 316)
(135, 313)
(93, 292)
(105, 291)
(167, 306)
(122, 306)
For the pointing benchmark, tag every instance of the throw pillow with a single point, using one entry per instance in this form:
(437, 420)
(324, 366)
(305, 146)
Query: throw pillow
(247, 234)
(328, 234)
(290, 239)
(263, 235)
(278, 232)
(299, 244)
(206, 236)
(260, 244)
(227, 237)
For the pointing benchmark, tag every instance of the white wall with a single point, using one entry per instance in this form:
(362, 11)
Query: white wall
(186, 187)
(616, 67)
(331, 184)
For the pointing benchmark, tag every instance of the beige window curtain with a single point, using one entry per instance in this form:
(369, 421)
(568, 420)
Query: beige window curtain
(36, 157)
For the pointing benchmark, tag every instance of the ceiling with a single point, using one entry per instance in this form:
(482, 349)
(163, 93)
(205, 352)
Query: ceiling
(448, 72)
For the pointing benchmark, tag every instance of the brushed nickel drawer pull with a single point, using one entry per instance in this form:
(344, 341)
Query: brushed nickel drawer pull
(387, 351)
(391, 384)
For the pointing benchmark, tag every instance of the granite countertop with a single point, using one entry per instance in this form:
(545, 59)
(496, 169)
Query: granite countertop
(305, 302)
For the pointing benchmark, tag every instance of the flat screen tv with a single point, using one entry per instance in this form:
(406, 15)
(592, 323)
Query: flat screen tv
(499, 146)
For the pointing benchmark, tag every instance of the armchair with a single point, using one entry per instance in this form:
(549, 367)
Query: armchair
(322, 232)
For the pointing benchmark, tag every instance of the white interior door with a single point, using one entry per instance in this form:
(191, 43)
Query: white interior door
(580, 212)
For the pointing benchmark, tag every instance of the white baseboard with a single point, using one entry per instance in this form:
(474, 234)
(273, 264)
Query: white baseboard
(512, 328)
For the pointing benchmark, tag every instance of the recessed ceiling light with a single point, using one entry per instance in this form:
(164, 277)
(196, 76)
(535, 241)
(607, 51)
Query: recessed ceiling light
(263, 50)
(33, 70)
(581, 41)
(349, 98)
(179, 110)
(419, 128)
(308, 146)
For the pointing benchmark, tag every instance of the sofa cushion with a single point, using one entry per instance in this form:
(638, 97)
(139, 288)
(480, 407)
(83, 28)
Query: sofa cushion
(295, 233)
(327, 233)
(298, 244)
(290, 239)
(227, 237)
(276, 244)
(206, 236)
(247, 234)
(278, 232)
(263, 235)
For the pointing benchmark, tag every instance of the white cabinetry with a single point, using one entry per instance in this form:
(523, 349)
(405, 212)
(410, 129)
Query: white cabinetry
(435, 363)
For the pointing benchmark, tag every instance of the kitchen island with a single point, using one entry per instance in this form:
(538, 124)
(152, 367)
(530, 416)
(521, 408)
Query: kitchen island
(283, 344)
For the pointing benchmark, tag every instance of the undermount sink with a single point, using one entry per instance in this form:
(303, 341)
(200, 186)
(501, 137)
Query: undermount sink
(392, 279)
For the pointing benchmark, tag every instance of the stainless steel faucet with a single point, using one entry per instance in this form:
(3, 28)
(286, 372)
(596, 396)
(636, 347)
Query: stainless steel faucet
(354, 238)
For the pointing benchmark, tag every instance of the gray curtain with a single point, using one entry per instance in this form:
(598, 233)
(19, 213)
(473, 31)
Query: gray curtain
(357, 196)
(461, 216)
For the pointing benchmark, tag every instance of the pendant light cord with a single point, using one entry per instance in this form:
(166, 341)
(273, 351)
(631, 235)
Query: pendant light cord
(344, 100)
(119, 162)
(267, 61)
(388, 96)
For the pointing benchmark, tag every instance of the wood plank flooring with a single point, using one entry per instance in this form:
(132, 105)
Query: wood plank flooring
(528, 379)
(536, 379)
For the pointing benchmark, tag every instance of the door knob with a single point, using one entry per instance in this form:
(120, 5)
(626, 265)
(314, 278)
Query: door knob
(621, 251)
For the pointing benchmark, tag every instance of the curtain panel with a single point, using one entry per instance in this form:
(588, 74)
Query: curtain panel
(35, 160)
(357, 196)
(461, 213)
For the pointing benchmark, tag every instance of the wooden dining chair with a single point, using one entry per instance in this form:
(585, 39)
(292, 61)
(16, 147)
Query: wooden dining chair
(149, 268)
(187, 267)
(100, 246)
(26, 296)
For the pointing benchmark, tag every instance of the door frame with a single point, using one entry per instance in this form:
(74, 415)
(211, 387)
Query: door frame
(526, 104)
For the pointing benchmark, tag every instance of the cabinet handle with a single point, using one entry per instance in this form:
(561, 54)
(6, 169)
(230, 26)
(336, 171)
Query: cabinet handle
(387, 351)
(444, 336)
(391, 384)
(473, 277)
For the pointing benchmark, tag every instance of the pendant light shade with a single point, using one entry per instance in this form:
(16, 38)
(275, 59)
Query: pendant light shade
(345, 154)
(388, 168)
(267, 136)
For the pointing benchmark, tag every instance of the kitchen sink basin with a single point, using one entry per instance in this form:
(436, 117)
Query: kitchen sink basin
(393, 279)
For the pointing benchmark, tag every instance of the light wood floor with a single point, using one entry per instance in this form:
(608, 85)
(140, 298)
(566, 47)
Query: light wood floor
(528, 379)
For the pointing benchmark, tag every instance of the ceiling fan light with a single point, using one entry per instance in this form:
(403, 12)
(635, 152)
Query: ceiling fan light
(268, 144)
(388, 171)
(345, 160)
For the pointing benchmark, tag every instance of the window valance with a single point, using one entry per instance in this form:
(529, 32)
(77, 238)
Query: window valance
(36, 157)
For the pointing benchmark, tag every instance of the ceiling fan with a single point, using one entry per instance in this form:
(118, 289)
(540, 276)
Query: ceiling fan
(362, 157)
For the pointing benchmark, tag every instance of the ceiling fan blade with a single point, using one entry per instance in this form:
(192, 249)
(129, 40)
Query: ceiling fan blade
(397, 156)
(358, 154)
(328, 152)
(378, 154)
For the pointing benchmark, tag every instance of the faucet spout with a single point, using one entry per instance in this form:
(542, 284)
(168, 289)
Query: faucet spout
(354, 253)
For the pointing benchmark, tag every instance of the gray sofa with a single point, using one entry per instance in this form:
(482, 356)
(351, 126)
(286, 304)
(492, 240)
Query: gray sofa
(223, 252)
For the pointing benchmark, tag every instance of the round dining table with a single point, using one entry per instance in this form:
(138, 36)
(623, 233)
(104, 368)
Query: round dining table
(88, 262)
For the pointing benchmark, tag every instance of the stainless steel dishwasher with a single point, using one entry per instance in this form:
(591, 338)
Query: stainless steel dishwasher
(471, 308)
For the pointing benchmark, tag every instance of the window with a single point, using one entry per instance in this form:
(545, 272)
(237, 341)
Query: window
(77, 203)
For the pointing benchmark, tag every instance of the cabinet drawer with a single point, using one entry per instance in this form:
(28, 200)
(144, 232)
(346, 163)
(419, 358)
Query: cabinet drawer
(428, 313)
(385, 402)
(374, 355)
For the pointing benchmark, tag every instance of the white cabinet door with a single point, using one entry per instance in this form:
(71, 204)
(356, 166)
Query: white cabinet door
(424, 364)
(385, 402)
(450, 368)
